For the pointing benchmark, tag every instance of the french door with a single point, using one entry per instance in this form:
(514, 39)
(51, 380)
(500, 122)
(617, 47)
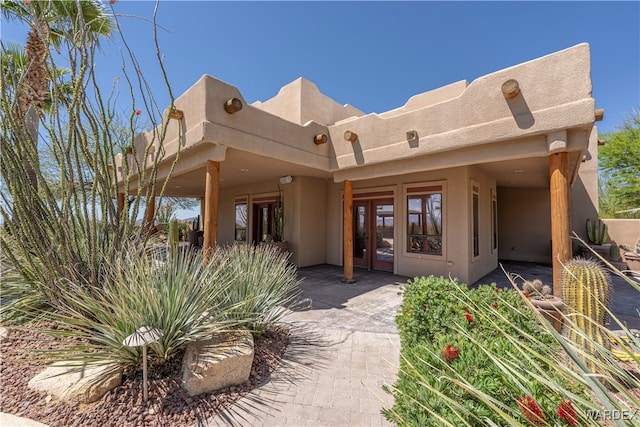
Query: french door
(373, 223)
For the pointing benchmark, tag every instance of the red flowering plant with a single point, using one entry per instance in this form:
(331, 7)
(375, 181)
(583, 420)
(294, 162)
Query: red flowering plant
(531, 410)
(566, 413)
(450, 353)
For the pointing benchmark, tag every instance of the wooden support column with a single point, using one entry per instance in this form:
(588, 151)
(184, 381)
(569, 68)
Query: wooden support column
(211, 196)
(347, 227)
(559, 188)
(120, 204)
(151, 212)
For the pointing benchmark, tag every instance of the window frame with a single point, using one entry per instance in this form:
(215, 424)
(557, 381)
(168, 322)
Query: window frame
(241, 200)
(421, 189)
(475, 224)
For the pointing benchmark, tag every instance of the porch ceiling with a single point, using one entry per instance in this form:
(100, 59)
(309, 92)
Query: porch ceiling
(238, 168)
(531, 172)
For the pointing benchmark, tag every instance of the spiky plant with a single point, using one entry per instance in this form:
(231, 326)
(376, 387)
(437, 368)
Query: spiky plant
(264, 286)
(586, 291)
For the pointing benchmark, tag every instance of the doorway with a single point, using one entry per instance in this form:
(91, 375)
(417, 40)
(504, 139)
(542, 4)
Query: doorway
(262, 221)
(373, 230)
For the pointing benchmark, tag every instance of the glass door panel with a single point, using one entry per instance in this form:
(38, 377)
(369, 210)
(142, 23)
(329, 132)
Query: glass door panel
(383, 259)
(360, 234)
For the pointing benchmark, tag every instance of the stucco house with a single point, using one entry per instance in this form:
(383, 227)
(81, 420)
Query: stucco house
(447, 184)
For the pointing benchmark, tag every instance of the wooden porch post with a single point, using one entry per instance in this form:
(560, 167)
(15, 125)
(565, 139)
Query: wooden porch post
(151, 212)
(347, 226)
(211, 195)
(120, 204)
(560, 216)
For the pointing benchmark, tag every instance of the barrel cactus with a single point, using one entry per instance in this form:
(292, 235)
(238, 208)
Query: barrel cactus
(586, 291)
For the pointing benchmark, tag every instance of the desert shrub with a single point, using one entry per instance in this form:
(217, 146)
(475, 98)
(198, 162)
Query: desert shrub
(180, 296)
(264, 286)
(476, 357)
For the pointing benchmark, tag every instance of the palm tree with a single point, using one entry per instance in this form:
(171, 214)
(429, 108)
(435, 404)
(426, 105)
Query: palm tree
(50, 22)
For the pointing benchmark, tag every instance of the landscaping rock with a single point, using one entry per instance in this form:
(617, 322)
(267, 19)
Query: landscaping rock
(216, 363)
(4, 333)
(77, 384)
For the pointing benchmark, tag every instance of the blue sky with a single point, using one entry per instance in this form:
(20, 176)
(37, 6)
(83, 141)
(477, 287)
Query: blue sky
(374, 55)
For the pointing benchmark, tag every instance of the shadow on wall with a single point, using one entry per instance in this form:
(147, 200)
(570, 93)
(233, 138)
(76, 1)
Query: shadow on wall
(583, 208)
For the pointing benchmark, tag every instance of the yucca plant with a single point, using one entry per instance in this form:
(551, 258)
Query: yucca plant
(264, 285)
(183, 297)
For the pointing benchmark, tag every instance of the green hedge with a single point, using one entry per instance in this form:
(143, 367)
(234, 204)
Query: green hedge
(502, 356)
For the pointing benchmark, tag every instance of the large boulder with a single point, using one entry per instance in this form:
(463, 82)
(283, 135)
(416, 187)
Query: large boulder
(219, 362)
(83, 384)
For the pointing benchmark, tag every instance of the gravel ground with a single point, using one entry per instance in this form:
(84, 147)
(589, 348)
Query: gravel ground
(169, 404)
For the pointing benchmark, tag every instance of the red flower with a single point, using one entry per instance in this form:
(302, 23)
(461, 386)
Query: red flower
(495, 304)
(531, 410)
(450, 353)
(526, 294)
(567, 413)
(469, 317)
(497, 290)
(138, 112)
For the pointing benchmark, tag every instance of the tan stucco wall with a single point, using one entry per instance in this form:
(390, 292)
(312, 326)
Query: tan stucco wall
(487, 260)
(524, 224)
(300, 102)
(584, 193)
(623, 231)
(309, 232)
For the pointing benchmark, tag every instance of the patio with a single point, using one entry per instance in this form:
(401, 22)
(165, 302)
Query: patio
(345, 347)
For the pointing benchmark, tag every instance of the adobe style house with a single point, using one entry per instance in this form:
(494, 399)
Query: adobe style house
(447, 184)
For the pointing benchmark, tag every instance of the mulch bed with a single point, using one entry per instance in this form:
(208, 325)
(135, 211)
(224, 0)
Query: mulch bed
(169, 404)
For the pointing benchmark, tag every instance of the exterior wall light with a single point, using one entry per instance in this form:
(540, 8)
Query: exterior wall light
(412, 135)
(320, 139)
(174, 113)
(233, 105)
(510, 89)
(350, 136)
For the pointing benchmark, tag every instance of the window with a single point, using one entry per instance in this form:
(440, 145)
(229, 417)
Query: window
(476, 219)
(241, 220)
(424, 220)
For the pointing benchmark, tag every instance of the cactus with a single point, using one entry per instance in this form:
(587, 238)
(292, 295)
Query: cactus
(597, 231)
(536, 289)
(173, 238)
(614, 253)
(586, 291)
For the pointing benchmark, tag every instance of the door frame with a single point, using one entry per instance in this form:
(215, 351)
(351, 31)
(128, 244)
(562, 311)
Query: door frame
(370, 260)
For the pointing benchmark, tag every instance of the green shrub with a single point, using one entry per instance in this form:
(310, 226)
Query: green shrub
(468, 356)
